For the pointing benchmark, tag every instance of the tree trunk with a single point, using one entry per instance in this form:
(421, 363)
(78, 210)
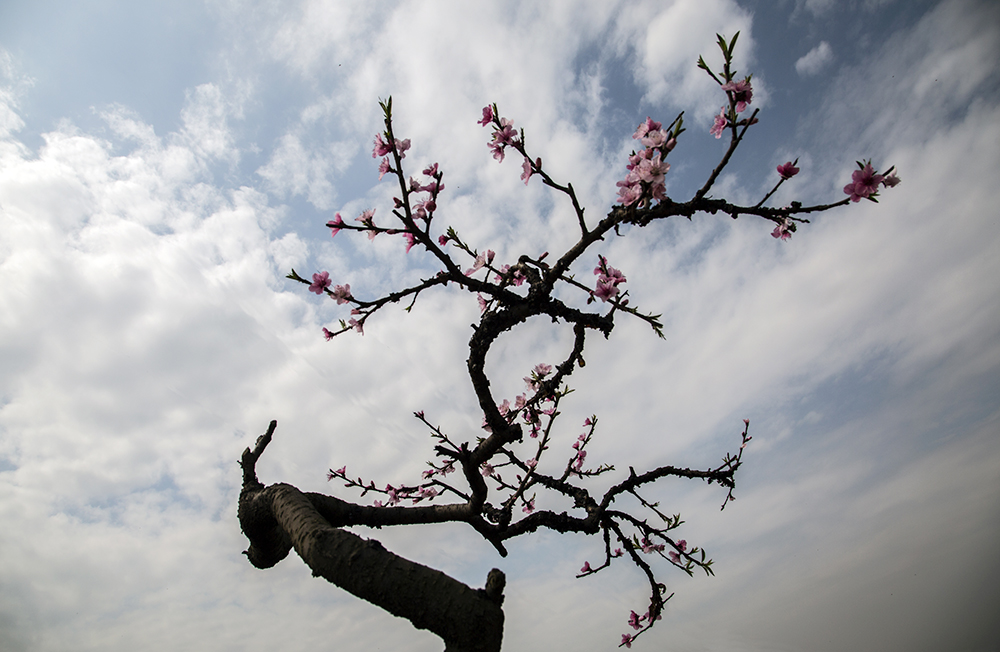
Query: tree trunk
(280, 517)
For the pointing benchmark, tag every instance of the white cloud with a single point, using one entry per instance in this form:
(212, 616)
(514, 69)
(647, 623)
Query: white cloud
(12, 85)
(671, 38)
(293, 171)
(815, 60)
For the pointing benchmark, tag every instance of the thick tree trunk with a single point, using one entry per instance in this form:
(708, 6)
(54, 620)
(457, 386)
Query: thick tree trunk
(280, 517)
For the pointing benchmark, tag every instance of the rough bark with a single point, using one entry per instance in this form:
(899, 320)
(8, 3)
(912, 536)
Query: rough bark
(279, 518)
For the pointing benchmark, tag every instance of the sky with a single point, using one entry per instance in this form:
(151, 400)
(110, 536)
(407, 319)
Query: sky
(163, 165)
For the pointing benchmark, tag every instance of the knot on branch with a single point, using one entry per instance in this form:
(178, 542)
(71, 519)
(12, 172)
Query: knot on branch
(495, 583)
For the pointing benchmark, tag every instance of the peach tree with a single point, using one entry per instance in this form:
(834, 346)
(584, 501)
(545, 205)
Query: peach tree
(490, 480)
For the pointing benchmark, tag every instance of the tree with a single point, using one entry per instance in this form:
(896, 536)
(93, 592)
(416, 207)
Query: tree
(500, 473)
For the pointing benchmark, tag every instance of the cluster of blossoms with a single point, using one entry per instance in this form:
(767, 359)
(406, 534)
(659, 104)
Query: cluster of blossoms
(740, 95)
(581, 455)
(383, 149)
(648, 167)
(423, 210)
(503, 133)
(608, 280)
(420, 210)
(340, 293)
(482, 260)
(531, 414)
(865, 182)
(395, 495)
(636, 621)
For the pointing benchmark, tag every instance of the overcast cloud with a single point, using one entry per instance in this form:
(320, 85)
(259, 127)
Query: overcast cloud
(148, 335)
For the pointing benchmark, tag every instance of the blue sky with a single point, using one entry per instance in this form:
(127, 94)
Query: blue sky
(163, 165)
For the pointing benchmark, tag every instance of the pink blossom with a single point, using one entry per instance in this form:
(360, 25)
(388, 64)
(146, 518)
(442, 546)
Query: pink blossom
(606, 290)
(402, 146)
(890, 180)
(720, 124)
(586, 567)
(482, 303)
(342, 293)
(356, 325)
(629, 189)
(608, 280)
(627, 640)
(327, 334)
(617, 552)
(652, 170)
(486, 469)
(426, 492)
(527, 170)
(635, 620)
(787, 170)
(442, 240)
(542, 370)
(646, 127)
(342, 470)
(429, 473)
(674, 557)
(532, 463)
(529, 506)
(498, 151)
(487, 115)
(503, 136)
(682, 544)
(410, 241)
(742, 93)
(320, 282)
(381, 147)
(366, 217)
(393, 494)
(864, 183)
(650, 547)
(481, 260)
(383, 168)
(783, 230)
(431, 170)
(654, 138)
(335, 224)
